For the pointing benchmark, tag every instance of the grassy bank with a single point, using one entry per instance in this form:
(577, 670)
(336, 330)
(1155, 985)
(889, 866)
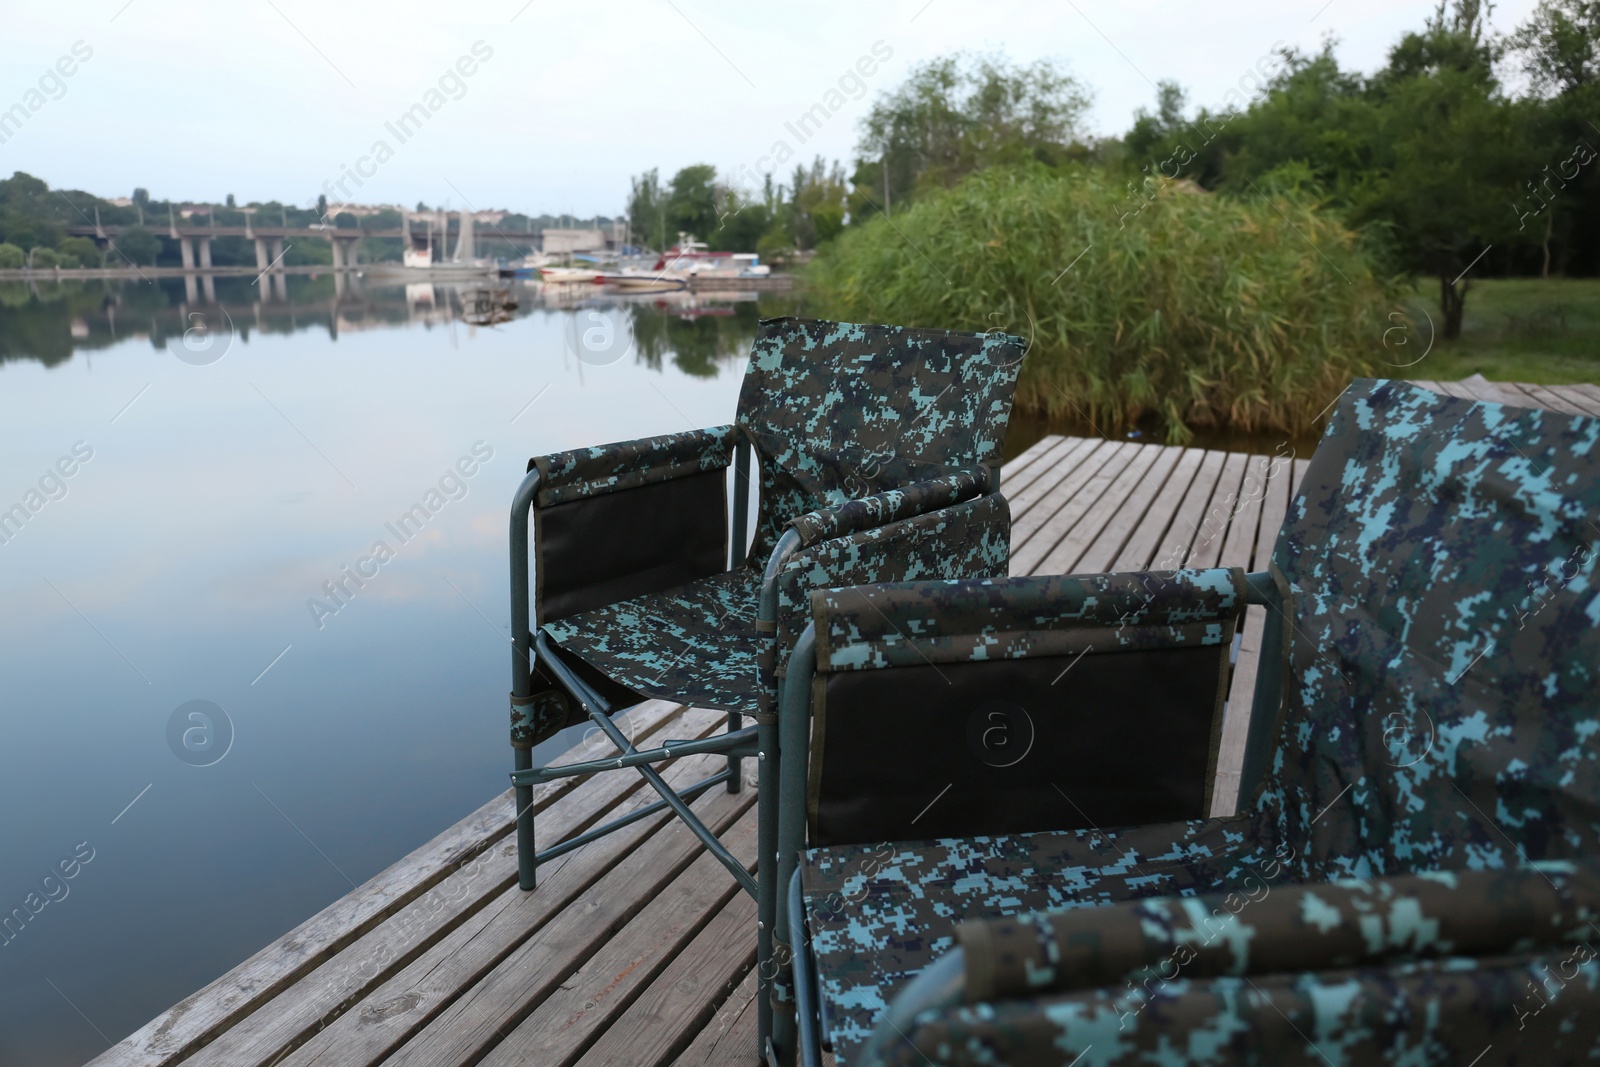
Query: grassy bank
(1176, 310)
(1545, 331)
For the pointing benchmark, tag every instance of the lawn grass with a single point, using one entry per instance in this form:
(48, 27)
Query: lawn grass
(1545, 331)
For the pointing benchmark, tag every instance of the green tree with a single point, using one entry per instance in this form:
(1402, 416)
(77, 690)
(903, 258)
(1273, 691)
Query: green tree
(85, 251)
(956, 114)
(30, 215)
(1448, 152)
(139, 245)
(1559, 50)
(819, 202)
(647, 210)
(45, 259)
(692, 202)
(11, 257)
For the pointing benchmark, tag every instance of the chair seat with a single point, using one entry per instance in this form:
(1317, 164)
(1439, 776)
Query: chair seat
(694, 644)
(880, 914)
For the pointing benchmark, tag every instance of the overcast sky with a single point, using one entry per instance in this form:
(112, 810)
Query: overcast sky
(270, 99)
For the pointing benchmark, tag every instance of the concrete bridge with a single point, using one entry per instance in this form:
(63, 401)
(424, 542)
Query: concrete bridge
(194, 242)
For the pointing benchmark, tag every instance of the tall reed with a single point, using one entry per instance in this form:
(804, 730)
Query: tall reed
(1194, 309)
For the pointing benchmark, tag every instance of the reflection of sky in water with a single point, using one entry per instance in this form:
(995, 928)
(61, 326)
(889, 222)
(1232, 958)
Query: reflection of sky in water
(190, 544)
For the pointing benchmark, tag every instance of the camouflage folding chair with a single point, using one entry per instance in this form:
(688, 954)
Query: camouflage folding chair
(1415, 874)
(877, 450)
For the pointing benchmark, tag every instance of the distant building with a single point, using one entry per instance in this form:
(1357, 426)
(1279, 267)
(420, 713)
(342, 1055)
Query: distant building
(556, 242)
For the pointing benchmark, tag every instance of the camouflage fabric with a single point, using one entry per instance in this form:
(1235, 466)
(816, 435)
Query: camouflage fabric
(880, 509)
(839, 410)
(1440, 715)
(1257, 930)
(972, 539)
(587, 472)
(1526, 1008)
(881, 913)
(835, 411)
(962, 620)
(1442, 555)
(696, 644)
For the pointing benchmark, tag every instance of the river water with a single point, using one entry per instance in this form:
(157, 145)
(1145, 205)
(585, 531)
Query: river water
(202, 746)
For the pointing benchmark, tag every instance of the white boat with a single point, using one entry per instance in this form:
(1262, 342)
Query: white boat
(638, 281)
(568, 275)
(694, 259)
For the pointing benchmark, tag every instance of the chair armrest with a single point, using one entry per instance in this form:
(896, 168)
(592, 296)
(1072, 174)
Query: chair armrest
(589, 472)
(969, 539)
(868, 512)
(1262, 929)
(1073, 976)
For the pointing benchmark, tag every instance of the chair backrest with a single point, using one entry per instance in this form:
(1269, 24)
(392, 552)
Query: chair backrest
(1443, 707)
(837, 410)
(1008, 705)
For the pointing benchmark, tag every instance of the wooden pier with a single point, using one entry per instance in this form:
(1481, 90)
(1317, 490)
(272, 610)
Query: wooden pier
(638, 950)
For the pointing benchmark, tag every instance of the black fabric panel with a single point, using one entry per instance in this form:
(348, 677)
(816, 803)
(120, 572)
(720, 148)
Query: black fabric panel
(1121, 738)
(603, 549)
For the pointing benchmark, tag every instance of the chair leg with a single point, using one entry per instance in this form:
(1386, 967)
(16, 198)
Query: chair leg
(767, 878)
(527, 873)
(735, 774)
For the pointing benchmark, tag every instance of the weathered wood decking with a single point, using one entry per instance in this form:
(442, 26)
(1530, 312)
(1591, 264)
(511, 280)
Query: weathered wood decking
(638, 949)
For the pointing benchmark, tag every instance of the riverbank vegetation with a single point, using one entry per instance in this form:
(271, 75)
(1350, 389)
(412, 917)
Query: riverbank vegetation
(1185, 309)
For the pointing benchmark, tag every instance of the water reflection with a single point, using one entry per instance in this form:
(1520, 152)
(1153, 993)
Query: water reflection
(49, 320)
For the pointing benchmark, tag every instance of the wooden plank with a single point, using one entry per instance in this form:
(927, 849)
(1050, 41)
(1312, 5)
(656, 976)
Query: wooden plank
(1555, 400)
(1241, 687)
(1178, 541)
(1015, 485)
(1044, 488)
(546, 933)
(1063, 559)
(1076, 509)
(1239, 547)
(313, 1002)
(1585, 389)
(574, 1013)
(1085, 465)
(1100, 556)
(202, 1015)
(1018, 466)
(1518, 396)
(1145, 541)
(683, 999)
(727, 1040)
(1588, 405)
(1479, 388)
(1206, 547)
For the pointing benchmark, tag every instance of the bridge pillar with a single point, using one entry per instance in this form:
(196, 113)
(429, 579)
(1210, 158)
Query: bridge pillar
(186, 248)
(191, 292)
(338, 254)
(277, 253)
(261, 255)
(280, 284)
(338, 286)
(208, 284)
(205, 254)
